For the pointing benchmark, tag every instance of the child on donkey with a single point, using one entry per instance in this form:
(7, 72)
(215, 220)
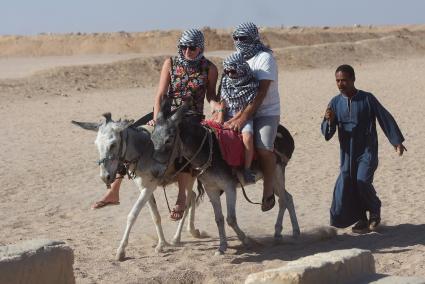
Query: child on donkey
(238, 89)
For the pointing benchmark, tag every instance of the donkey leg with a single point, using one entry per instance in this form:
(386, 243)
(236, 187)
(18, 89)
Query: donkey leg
(214, 196)
(279, 220)
(288, 202)
(157, 221)
(144, 196)
(280, 191)
(177, 237)
(190, 196)
(192, 201)
(293, 216)
(231, 215)
(191, 225)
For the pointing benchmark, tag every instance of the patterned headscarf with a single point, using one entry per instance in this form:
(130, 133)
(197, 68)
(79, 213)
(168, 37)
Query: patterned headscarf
(192, 37)
(253, 44)
(241, 90)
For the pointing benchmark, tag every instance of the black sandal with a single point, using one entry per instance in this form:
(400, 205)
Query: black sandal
(268, 203)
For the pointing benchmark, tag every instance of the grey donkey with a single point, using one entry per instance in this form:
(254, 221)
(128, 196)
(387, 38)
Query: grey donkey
(182, 134)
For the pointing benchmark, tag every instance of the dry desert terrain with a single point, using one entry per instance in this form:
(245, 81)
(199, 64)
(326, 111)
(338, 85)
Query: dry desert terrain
(49, 177)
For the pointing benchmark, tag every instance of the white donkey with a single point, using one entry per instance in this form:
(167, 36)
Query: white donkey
(118, 142)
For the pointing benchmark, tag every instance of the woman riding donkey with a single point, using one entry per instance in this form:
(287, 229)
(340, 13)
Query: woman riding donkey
(187, 76)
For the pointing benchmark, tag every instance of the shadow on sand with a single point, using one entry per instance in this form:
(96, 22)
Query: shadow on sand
(388, 239)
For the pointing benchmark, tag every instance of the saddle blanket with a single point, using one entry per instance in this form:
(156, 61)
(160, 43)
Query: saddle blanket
(231, 145)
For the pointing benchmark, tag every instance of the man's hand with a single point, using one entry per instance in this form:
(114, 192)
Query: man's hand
(236, 123)
(329, 115)
(400, 149)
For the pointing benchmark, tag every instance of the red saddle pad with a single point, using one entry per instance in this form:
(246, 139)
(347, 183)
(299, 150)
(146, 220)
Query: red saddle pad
(231, 145)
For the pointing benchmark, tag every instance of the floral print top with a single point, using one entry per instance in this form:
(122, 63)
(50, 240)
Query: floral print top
(189, 82)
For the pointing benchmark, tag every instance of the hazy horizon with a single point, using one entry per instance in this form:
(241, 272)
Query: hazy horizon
(47, 16)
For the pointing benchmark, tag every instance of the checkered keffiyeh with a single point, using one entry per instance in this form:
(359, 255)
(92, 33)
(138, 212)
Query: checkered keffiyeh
(241, 90)
(192, 37)
(253, 44)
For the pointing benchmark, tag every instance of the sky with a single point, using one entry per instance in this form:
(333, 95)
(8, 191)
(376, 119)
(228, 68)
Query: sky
(29, 17)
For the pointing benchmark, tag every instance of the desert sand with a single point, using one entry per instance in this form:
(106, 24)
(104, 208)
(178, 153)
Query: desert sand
(50, 179)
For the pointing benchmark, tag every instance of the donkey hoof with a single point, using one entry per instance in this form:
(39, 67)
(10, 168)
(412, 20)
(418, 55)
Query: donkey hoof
(120, 256)
(195, 233)
(176, 242)
(296, 233)
(159, 248)
(278, 238)
(247, 242)
(221, 249)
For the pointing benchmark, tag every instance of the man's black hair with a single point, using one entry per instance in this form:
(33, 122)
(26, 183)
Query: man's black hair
(345, 68)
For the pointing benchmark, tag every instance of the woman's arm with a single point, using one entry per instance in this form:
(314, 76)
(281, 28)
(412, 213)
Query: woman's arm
(164, 82)
(211, 95)
(212, 82)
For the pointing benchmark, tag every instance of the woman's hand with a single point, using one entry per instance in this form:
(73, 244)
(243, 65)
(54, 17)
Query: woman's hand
(218, 115)
(151, 122)
(218, 111)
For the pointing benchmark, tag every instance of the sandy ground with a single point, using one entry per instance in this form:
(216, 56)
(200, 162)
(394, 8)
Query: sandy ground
(50, 178)
(18, 67)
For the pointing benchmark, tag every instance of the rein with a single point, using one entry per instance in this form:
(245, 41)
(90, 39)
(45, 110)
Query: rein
(119, 156)
(178, 144)
(245, 195)
(207, 164)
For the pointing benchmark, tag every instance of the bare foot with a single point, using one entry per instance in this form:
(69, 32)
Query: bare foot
(100, 204)
(112, 197)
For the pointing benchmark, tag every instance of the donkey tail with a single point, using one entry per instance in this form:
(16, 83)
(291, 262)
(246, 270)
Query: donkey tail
(284, 143)
(201, 192)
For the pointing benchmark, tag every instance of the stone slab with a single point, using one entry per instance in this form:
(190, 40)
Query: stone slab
(37, 262)
(339, 266)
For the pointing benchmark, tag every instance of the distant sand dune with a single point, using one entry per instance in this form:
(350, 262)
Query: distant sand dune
(165, 41)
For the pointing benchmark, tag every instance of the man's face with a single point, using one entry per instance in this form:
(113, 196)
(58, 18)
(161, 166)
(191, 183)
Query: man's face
(344, 82)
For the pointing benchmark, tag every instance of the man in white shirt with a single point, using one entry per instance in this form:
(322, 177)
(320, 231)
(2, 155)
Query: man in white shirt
(265, 109)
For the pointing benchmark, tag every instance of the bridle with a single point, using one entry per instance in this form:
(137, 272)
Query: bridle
(120, 156)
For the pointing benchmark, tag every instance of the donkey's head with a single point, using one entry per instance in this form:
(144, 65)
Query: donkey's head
(165, 134)
(109, 143)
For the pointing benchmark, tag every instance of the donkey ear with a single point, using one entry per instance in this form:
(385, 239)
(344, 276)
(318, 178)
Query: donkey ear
(181, 111)
(107, 116)
(165, 109)
(87, 125)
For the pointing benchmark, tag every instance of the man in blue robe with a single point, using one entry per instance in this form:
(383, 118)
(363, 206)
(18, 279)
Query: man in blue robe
(354, 113)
